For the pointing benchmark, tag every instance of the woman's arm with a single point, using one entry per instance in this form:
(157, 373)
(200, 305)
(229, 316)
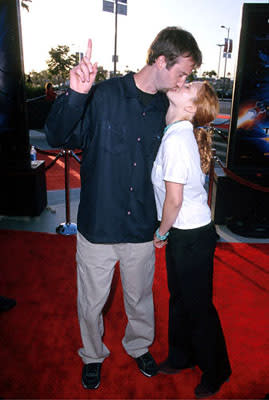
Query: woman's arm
(171, 208)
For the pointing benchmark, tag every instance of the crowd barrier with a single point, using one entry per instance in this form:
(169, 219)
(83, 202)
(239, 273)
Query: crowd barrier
(238, 202)
(229, 173)
(38, 110)
(67, 227)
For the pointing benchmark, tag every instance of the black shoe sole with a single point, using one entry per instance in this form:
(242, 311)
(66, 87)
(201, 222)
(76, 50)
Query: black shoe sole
(147, 375)
(208, 394)
(204, 396)
(7, 308)
(90, 387)
(175, 371)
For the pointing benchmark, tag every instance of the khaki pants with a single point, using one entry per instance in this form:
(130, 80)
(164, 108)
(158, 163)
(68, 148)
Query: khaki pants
(95, 268)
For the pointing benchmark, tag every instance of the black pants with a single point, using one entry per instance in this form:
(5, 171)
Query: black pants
(195, 333)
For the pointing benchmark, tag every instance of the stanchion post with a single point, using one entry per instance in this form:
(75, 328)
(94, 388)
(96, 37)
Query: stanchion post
(67, 228)
(211, 177)
(67, 186)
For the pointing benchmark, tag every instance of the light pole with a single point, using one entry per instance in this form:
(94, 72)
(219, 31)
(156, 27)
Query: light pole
(220, 46)
(115, 57)
(226, 56)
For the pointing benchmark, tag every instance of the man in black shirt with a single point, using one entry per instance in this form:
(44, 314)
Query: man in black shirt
(118, 124)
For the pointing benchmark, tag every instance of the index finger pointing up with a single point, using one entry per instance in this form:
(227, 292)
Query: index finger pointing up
(89, 49)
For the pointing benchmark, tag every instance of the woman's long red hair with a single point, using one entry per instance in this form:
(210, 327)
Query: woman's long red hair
(207, 109)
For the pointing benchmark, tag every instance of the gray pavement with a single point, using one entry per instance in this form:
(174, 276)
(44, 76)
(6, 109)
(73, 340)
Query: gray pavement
(55, 212)
(50, 218)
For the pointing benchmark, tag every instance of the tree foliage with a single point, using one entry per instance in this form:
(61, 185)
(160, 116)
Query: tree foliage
(101, 74)
(192, 76)
(40, 78)
(209, 74)
(61, 62)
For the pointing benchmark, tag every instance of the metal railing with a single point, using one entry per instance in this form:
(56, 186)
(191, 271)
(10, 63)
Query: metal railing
(225, 106)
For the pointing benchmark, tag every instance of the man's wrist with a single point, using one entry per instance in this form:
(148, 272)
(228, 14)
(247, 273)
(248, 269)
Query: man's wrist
(161, 237)
(75, 98)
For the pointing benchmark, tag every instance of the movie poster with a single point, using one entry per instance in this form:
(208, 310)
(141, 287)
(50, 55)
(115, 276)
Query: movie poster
(249, 134)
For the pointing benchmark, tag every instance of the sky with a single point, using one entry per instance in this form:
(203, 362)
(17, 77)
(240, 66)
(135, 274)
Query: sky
(50, 23)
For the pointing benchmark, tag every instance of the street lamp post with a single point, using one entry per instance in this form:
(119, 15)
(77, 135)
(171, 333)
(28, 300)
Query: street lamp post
(115, 58)
(226, 56)
(220, 46)
(120, 8)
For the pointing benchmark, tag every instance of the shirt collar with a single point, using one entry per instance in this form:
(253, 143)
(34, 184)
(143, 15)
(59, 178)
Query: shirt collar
(184, 124)
(160, 101)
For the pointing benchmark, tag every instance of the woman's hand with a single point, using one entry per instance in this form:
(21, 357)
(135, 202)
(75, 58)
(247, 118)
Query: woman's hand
(159, 243)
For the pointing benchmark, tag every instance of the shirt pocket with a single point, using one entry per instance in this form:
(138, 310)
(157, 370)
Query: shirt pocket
(113, 138)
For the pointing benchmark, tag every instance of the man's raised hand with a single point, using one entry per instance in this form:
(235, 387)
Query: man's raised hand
(83, 75)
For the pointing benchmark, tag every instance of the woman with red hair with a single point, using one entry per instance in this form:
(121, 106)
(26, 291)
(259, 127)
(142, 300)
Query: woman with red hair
(178, 176)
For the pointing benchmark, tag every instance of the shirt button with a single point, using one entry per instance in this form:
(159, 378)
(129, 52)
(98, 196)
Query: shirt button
(134, 164)
(129, 212)
(144, 114)
(131, 189)
(138, 139)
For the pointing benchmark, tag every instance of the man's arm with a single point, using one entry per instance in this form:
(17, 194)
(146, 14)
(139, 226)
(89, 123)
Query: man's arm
(64, 124)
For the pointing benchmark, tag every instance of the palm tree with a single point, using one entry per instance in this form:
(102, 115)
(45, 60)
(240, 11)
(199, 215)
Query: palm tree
(24, 5)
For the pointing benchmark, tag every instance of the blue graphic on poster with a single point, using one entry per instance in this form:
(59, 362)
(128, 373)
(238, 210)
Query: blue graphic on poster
(252, 147)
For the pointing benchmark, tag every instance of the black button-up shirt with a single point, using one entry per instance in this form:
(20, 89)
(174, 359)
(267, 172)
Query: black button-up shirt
(119, 137)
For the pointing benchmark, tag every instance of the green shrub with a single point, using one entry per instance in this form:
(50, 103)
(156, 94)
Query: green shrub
(34, 91)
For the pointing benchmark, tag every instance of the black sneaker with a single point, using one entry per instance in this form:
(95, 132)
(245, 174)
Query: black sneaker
(91, 375)
(147, 365)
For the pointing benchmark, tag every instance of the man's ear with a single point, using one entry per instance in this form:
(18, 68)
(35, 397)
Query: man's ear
(161, 62)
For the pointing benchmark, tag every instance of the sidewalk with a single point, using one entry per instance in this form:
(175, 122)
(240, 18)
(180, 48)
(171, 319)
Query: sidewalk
(50, 218)
(55, 212)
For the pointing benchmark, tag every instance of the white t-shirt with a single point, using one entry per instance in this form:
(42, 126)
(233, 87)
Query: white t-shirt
(178, 160)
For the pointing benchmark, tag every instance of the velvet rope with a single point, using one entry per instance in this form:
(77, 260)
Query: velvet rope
(241, 180)
(221, 134)
(57, 155)
(53, 161)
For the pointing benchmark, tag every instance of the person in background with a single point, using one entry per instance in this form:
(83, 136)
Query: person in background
(118, 124)
(50, 93)
(195, 335)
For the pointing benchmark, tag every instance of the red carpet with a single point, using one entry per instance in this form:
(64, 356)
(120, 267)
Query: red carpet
(222, 122)
(55, 176)
(39, 338)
